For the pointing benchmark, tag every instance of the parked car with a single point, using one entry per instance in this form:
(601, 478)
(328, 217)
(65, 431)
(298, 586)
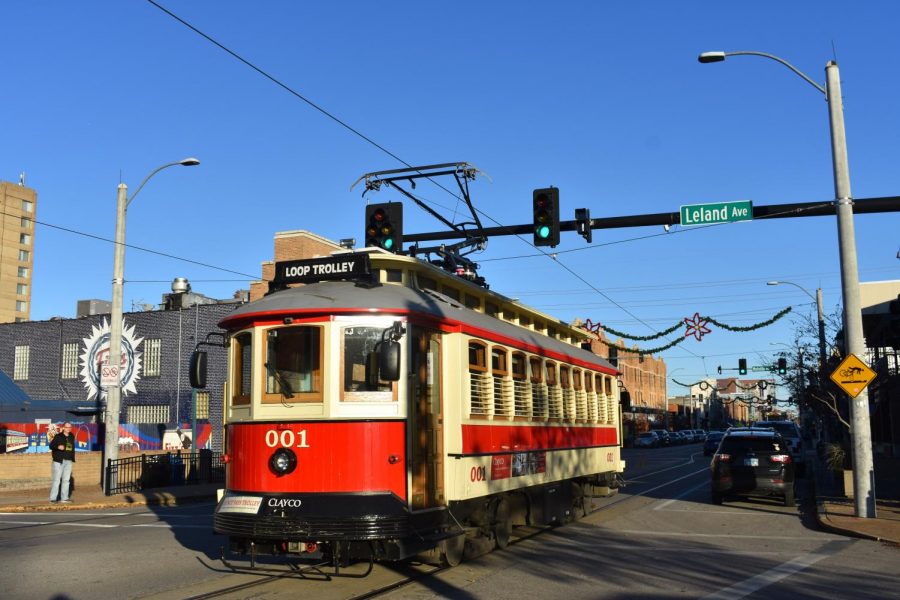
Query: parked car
(663, 435)
(752, 462)
(647, 439)
(712, 442)
(790, 431)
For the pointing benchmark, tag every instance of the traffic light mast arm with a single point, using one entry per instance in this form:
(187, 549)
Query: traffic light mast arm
(770, 211)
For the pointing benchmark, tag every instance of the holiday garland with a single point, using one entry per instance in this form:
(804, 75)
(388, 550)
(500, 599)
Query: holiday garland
(694, 326)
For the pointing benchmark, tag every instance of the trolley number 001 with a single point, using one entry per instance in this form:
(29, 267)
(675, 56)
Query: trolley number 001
(286, 438)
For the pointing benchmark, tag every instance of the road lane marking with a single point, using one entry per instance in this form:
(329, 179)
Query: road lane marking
(766, 578)
(711, 535)
(100, 525)
(662, 505)
(669, 482)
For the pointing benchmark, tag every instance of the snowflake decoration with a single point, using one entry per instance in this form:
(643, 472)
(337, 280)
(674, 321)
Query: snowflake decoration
(696, 326)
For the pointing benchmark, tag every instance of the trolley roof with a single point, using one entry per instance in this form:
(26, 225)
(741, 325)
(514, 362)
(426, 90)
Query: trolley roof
(407, 299)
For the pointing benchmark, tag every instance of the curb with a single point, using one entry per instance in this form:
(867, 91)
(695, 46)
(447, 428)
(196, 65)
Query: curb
(164, 499)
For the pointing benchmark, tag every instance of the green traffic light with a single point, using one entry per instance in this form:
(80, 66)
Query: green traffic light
(543, 232)
(388, 243)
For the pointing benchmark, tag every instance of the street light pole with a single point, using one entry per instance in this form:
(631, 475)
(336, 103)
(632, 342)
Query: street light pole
(863, 471)
(114, 392)
(820, 309)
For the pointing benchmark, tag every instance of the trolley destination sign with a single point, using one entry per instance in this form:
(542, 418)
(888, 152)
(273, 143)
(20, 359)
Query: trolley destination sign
(343, 266)
(717, 212)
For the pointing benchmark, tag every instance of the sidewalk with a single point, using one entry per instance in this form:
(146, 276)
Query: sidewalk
(92, 497)
(836, 512)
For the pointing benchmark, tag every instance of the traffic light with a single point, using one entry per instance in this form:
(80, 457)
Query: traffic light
(583, 224)
(782, 366)
(384, 226)
(546, 217)
(742, 366)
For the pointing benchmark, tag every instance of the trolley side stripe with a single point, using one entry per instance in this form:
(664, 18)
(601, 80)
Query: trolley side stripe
(493, 439)
(447, 325)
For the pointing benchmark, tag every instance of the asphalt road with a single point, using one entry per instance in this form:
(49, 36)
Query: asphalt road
(660, 537)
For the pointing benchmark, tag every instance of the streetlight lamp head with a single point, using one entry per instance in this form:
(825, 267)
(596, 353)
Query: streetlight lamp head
(711, 57)
(772, 282)
(189, 162)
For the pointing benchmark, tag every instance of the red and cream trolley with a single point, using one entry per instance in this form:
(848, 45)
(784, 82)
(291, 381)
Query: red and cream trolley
(386, 408)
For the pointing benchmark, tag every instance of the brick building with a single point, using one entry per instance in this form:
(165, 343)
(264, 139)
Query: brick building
(52, 360)
(644, 379)
(18, 206)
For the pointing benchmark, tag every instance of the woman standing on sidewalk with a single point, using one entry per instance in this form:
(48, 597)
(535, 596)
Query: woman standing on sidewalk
(63, 449)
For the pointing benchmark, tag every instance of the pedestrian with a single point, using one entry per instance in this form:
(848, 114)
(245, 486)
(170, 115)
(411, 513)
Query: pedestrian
(62, 447)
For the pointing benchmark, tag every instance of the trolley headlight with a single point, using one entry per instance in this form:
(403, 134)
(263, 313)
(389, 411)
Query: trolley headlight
(283, 461)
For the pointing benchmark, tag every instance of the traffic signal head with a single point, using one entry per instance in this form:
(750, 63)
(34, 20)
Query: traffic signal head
(742, 366)
(384, 226)
(545, 203)
(782, 366)
(583, 224)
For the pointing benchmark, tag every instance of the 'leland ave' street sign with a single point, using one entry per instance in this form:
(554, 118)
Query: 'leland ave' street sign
(717, 212)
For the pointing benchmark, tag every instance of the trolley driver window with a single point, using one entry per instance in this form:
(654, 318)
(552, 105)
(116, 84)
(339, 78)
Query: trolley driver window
(292, 365)
(360, 366)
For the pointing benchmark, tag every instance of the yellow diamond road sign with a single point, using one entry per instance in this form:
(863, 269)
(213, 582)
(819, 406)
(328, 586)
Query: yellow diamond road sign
(852, 375)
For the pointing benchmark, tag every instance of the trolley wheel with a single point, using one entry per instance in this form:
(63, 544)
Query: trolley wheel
(789, 496)
(452, 550)
(579, 502)
(502, 526)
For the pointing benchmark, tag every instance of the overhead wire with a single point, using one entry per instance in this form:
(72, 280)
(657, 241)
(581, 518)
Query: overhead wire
(342, 123)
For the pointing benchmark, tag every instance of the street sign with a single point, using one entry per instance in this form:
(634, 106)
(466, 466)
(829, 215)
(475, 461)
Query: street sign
(717, 212)
(760, 368)
(852, 375)
(109, 375)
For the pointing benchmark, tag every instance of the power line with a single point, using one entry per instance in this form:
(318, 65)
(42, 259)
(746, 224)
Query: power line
(142, 249)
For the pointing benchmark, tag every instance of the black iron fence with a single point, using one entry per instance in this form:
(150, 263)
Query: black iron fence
(146, 471)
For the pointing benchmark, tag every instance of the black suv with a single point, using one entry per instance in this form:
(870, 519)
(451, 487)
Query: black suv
(753, 462)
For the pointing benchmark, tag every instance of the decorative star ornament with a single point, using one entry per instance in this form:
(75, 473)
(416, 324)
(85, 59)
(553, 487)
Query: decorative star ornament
(696, 326)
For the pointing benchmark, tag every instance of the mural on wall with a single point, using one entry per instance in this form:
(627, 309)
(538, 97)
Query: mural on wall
(35, 437)
(96, 355)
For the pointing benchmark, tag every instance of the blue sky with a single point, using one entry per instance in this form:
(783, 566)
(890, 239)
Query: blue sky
(605, 100)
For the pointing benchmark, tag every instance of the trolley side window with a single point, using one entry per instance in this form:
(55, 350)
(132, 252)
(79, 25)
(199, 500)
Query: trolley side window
(521, 386)
(293, 365)
(503, 389)
(242, 353)
(480, 388)
(360, 366)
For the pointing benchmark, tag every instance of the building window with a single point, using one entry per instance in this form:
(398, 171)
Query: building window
(202, 403)
(20, 368)
(24, 255)
(152, 354)
(27, 206)
(22, 289)
(26, 223)
(21, 306)
(69, 361)
(24, 238)
(23, 271)
(149, 413)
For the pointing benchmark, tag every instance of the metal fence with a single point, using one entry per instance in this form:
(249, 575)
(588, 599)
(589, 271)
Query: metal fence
(146, 471)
